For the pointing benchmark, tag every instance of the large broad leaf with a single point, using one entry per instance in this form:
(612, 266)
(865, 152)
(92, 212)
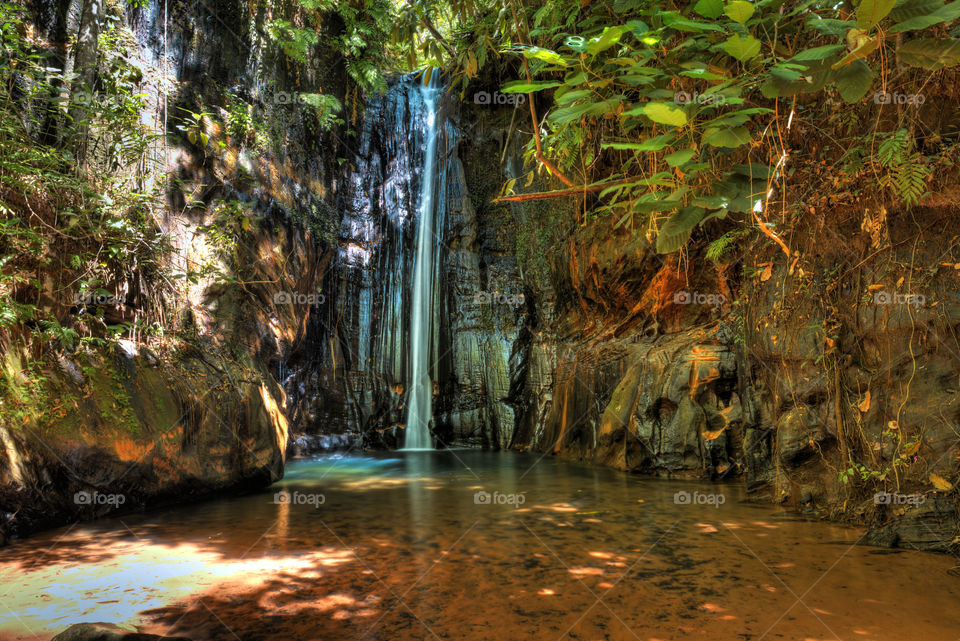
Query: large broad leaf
(653, 144)
(569, 96)
(906, 9)
(739, 11)
(790, 82)
(609, 37)
(831, 27)
(754, 171)
(870, 12)
(676, 231)
(622, 6)
(665, 113)
(854, 80)
(674, 20)
(711, 202)
(679, 158)
(704, 73)
(649, 206)
(726, 136)
(742, 48)
(946, 13)
(712, 9)
(538, 53)
(742, 192)
(521, 86)
(576, 112)
(931, 54)
(817, 53)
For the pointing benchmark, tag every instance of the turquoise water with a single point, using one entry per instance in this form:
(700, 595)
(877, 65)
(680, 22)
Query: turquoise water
(474, 545)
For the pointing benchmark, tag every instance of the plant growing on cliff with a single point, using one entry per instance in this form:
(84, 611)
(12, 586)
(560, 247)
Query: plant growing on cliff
(75, 210)
(904, 172)
(679, 114)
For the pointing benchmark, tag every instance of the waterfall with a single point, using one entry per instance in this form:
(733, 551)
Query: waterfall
(382, 327)
(420, 395)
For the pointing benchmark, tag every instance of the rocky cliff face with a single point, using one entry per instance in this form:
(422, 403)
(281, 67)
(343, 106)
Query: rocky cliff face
(354, 376)
(822, 381)
(190, 406)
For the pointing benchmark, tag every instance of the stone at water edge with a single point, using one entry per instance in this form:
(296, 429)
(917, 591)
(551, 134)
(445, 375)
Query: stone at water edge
(107, 632)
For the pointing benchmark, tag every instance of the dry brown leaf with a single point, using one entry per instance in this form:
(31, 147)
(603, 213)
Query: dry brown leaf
(864, 405)
(710, 436)
(874, 287)
(767, 271)
(941, 483)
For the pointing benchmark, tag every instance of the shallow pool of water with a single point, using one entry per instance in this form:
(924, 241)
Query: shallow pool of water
(475, 546)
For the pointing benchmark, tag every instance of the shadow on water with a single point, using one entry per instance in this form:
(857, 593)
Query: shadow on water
(474, 545)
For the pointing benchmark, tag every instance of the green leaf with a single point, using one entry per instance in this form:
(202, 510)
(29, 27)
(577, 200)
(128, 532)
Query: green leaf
(906, 9)
(569, 96)
(831, 27)
(575, 112)
(609, 37)
(817, 53)
(679, 158)
(726, 136)
(520, 86)
(854, 80)
(674, 20)
(947, 13)
(742, 48)
(739, 11)
(870, 12)
(676, 231)
(622, 6)
(711, 202)
(653, 144)
(552, 57)
(703, 73)
(712, 9)
(930, 53)
(664, 113)
(754, 171)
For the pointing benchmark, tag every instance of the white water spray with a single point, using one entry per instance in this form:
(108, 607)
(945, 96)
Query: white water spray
(420, 399)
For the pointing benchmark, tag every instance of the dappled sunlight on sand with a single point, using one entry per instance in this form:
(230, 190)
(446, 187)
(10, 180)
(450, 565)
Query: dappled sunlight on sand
(140, 575)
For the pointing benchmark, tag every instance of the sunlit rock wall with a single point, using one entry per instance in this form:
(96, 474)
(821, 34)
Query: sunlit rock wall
(193, 407)
(786, 375)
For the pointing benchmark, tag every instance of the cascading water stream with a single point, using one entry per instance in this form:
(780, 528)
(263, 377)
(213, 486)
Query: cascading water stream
(420, 398)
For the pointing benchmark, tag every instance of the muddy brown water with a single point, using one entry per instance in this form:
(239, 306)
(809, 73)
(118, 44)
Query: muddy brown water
(475, 546)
